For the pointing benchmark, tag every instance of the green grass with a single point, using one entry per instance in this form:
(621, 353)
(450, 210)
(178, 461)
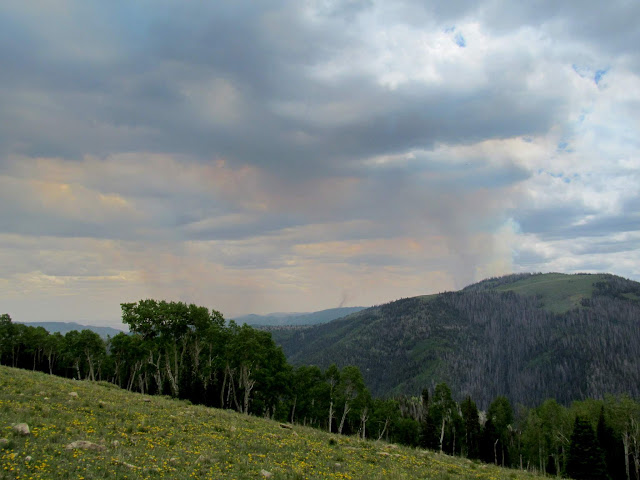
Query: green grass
(165, 438)
(428, 298)
(558, 292)
(631, 296)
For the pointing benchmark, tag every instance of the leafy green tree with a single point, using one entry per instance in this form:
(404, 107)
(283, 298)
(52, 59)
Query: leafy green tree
(6, 339)
(534, 446)
(35, 341)
(85, 350)
(11, 337)
(351, 392)
(309, 396)
(256, 375)
(53, 349)
(332, 378)
(443, 418)
(127, 354)
(268, 368)
(497, 433)
(210, 347)
(385, 415)
(170, 330)
(556, 426)
(585, 460)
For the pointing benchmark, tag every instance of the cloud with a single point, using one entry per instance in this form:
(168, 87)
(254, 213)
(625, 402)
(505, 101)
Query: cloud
(256, 157)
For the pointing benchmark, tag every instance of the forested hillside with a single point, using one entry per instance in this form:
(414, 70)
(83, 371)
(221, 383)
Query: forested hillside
(527, 337)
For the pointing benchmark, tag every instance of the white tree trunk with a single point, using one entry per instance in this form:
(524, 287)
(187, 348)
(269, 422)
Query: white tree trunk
(625, 443)
(635, 440)
(247, 383)
(330, 414)
(173, 379)
(384, 429)
(293, 410)
(90, 362)
(344, 416)
(364, 416)
(157, 375)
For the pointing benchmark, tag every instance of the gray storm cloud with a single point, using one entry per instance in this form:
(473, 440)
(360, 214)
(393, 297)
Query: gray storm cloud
(274, 156)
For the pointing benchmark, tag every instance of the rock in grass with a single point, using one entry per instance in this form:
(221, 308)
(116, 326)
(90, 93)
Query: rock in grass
(73, 394)
(128, 465)
(204, 459)
(85, 445)
(266, 474)
(22, 429)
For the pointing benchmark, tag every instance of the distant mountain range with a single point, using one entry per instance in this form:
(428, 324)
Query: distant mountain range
(64, 327)
(273, 319)
(528, 337)
(296, 319)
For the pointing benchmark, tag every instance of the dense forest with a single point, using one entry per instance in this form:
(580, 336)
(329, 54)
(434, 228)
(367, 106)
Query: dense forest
(189, 352)
(526, 337)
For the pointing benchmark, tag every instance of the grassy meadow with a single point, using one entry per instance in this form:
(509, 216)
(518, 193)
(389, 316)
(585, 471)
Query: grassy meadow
(558, 292)
(135, 436)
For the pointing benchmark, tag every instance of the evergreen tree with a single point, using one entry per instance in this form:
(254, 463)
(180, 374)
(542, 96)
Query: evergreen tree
(472, 428)
(407, 432)
(611, 447)
(586, 461)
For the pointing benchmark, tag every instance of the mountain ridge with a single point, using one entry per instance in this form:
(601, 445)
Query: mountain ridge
(297, 319)
(65, 327)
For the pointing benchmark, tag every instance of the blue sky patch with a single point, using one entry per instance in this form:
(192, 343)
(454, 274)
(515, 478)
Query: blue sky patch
(460, 41)
(599, 74)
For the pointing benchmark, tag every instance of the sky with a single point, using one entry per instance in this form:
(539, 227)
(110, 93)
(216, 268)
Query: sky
(298, 155)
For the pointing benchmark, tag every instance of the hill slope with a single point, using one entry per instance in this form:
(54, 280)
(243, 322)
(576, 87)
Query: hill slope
(155, 437)
(294, 319)
(528, 337)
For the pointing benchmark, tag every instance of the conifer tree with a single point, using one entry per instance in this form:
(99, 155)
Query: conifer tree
(472, 428)
(586, 460)
(611, 447)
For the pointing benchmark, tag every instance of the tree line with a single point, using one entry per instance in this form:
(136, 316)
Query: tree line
(190, 352)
